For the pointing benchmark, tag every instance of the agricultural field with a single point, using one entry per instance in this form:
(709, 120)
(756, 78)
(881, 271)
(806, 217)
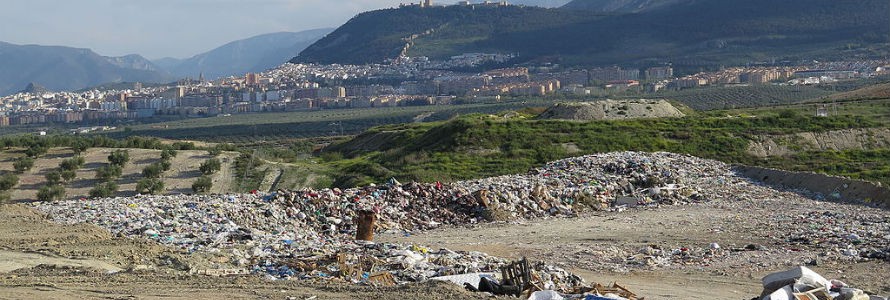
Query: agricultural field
(714, 98)
(178, 179)
(247, 128)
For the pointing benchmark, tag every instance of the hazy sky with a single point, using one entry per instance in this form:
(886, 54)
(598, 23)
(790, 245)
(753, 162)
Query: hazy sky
(167, 28)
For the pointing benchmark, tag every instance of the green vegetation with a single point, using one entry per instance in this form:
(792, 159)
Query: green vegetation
(23, 164)
(152, 171)
(53, 177)
(480, 146)
(210, 166)
(109, 173)
(872, 165)
(8, 181)
(72, 164)
(119, 157)
(104, 190)
(153, 186)
(248, 172)
(51, 192)
(277, 126)
(168, 154)
(701, 33)
(68, 175)
(202, 185)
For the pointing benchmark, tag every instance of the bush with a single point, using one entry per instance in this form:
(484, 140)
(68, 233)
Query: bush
(68, 175)
(73, 163)
(152, 186)
(109, 172)
(210, 166)
(168, 154)
(51, 192)
(152, 171)
(104, 190)
(202, 185)
(53, 177)
(165, 165)
(36, 151)
(214, 152)
(80, 146)
(8, 181)
(119, 157)
(23, 164)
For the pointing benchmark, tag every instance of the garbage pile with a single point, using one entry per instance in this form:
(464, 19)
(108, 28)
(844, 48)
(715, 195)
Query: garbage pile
(310, 234)
(803, 283)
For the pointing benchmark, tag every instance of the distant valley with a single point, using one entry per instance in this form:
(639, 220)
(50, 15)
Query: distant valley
(253, 54)
(60, 68)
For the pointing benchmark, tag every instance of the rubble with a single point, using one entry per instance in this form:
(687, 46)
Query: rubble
(312, 234)
(803, 283)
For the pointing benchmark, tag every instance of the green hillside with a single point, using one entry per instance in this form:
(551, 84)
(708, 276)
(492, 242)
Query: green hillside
(707, 32)
(477, 146)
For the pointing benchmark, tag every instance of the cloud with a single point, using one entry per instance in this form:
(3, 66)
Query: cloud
(162, 28)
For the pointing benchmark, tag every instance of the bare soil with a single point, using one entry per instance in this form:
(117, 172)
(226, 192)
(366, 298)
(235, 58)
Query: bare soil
(178, 180)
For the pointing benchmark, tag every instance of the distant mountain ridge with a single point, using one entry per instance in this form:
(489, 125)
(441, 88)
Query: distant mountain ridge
(253, 54)
(695, 33)
(64, 68)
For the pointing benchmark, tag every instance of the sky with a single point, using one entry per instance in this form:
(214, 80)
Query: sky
(167, 28)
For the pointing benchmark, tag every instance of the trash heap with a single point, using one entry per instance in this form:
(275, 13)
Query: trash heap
(803, 283)
(309, 234)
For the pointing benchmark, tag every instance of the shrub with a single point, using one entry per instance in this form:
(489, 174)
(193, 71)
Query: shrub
(165, 165)
(202, 185)
(168, 154)
(109, 172)
(53, 177)
(152, 186)
(210, 166)
(152, 171)
(214, 152)
(51, 192)
(8, 181)
(36, 151)
(104, 190)
(119, 157)
(73, 163)
(23, 164)
(68, 175)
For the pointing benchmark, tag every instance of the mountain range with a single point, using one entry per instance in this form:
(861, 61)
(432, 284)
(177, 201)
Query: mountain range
(64, 68)
(694, 33)
(253, 54)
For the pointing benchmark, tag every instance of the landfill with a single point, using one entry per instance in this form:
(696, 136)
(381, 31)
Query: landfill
(310, 234)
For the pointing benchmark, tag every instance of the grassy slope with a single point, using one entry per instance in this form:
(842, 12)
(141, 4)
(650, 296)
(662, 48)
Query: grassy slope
(479, 145)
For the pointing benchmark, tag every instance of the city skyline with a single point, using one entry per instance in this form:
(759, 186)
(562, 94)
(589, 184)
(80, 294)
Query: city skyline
(155, 29)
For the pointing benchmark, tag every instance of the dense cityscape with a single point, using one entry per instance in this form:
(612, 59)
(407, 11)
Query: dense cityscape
(405, 81)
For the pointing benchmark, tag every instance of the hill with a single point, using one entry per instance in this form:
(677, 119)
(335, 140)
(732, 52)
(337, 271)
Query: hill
(702, 33)
(541, 3)
(621, 6)
(63, 68)
(253, 54)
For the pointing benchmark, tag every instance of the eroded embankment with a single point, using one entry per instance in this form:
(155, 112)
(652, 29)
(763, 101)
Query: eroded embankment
(847, 139)
(821, 186)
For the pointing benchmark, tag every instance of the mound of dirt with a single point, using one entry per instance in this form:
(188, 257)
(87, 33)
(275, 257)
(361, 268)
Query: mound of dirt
(612, 110)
